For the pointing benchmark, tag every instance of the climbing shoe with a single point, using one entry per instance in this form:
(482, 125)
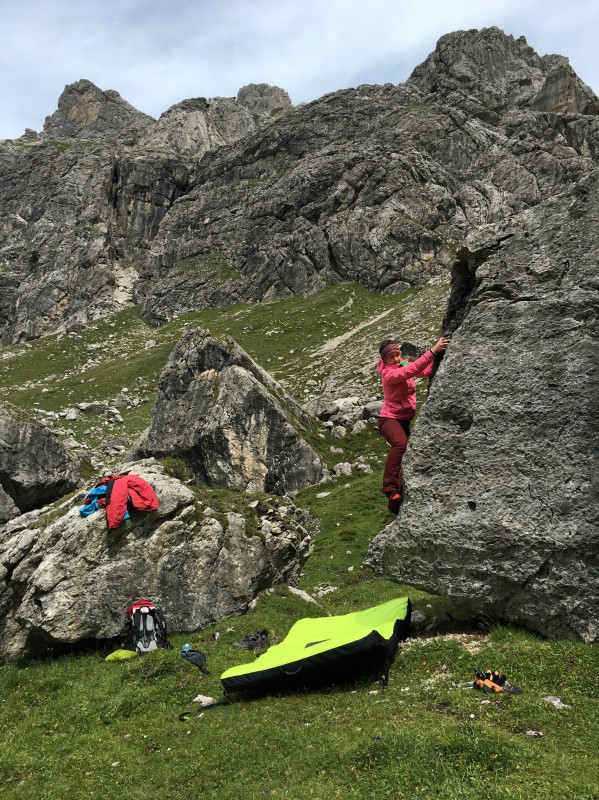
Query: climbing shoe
(500, 680)
(394, 502)
(492, 681)
(255, 641)
(483, 684)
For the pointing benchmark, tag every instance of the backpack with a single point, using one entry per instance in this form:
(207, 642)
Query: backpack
(146, 627)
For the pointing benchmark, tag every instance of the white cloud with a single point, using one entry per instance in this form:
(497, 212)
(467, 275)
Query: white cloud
(156, 53)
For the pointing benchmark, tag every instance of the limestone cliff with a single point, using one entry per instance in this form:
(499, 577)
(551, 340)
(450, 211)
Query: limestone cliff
(250, 199)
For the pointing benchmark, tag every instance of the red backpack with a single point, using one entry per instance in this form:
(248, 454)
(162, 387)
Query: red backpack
(147, 627)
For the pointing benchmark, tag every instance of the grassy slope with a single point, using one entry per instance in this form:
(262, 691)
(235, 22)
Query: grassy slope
(80, 727)
(56, 372)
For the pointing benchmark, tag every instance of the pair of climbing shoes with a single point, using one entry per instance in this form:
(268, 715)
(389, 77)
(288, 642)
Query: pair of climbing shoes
(492, 681)
(259, 640)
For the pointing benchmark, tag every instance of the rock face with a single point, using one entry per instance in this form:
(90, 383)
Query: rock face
(264, 99)
(515, 77)
(502, 501)
(229, 420)
(192, 128)
(68, 583)
(110, 173)
(35, 468)
(250, 199)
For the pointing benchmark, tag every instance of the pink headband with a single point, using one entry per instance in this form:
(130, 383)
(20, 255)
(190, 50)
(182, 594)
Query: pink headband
(390, 348)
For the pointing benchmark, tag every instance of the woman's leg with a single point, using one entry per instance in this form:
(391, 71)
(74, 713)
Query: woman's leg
(396, 433)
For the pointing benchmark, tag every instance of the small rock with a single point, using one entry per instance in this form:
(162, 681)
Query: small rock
(72, 443)
(300, 593)
(343, 468)
(418, 619)
(121, 401)
(555, 701)
(96, 407)
(320, 591)
(204, 700)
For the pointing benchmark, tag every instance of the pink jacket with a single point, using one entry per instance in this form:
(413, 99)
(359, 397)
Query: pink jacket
(399, 386)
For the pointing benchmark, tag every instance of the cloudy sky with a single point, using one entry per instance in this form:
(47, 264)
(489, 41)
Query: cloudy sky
(155, 53)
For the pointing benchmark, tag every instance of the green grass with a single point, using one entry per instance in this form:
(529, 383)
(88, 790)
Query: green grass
(80, 727)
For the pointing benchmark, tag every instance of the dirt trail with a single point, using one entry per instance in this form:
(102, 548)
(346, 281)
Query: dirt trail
(333, 343)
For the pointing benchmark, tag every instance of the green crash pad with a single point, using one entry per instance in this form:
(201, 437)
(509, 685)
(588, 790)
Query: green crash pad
(327, 650)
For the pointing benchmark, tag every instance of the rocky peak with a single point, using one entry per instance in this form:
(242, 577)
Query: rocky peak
(228, 200)
(489, 73)
(261, 98)
(87, 112)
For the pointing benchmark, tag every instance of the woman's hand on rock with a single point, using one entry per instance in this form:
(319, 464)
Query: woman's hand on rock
(441, 344)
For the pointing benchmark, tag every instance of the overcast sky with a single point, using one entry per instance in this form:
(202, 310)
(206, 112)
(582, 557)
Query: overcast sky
(155, 53)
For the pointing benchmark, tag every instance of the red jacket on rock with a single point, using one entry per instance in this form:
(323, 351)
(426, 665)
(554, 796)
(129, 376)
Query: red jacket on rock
(124, 489)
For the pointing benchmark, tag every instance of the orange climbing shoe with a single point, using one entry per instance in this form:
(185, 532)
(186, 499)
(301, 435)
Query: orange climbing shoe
(394, 502)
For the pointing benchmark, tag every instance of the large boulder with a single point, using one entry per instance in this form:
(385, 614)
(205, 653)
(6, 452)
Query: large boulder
(229, 420)
(35, 467)
(501, 510)
(67, 583)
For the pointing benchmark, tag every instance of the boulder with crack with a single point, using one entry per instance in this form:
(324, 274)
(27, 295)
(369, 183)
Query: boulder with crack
(501, 508)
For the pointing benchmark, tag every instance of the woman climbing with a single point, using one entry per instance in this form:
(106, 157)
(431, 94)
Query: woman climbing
(399, 407)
